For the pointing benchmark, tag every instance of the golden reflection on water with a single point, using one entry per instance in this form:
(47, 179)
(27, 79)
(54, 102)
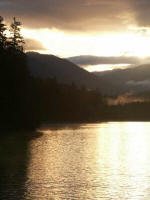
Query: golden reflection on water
(91, 161)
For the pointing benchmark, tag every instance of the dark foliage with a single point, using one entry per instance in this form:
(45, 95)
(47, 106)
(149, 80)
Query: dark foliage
(17, 103)
(26, 101)
(62, 102)
(137, 111)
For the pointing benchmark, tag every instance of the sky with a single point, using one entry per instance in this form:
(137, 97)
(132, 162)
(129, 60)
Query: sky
(95, 34)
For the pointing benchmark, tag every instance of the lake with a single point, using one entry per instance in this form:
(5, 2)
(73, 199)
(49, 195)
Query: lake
(101, 161)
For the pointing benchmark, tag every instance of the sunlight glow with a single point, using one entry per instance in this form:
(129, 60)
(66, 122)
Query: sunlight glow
(65, 44)
(101, 68)
(125, 150)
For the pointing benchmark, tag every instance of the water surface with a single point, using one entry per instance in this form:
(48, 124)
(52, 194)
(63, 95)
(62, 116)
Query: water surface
(78, 162)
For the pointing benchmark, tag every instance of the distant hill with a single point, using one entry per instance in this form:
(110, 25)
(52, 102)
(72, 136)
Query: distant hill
(64, 71)
(135, 80)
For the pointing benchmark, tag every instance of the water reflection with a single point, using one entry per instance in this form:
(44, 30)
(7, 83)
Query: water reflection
(86, 161)
(14, 158)
(91, 161)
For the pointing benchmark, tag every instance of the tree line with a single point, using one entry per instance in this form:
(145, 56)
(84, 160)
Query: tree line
(17, 109)
(26, 101)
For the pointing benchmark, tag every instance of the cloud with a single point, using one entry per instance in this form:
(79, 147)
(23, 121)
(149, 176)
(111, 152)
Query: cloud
(95, 60)
(5, 4)
(32, 45)
(80, 15)
(141, 11)
(143, 83)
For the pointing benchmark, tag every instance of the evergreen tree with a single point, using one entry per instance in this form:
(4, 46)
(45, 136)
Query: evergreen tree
(3, 38)
(16, 40)
(17, 98)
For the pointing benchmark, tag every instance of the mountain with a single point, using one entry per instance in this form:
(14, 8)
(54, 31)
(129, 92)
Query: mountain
(134, 80)
(49, 66)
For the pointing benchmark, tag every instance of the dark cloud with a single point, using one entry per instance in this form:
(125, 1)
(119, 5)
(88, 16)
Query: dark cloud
(95, 60)
(80, 15)
(141, 11)
(33, 45)
(5, 4)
